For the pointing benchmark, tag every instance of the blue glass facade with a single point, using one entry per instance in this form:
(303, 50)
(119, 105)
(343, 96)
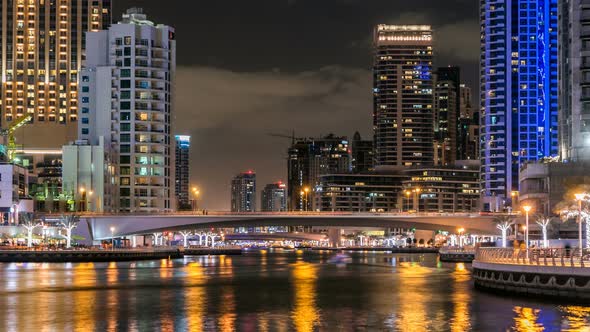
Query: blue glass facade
(519, 91)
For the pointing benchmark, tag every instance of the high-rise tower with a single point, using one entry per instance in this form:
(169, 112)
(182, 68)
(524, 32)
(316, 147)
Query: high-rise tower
(126, 98)
(447, 94)
(41, 52)
(518, 92)
(402, 88)
(182, 173)
(243, 192)
(574, 80)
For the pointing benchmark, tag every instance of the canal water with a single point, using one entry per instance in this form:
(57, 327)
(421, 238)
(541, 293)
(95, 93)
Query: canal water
(268, 291)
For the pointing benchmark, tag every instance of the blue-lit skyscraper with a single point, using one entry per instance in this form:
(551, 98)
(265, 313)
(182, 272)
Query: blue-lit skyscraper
(518, 92)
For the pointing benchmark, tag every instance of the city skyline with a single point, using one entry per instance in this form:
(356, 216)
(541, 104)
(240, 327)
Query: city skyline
(333, 79)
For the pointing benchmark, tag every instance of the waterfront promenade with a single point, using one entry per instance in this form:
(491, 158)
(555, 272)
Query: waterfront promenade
(552, 272)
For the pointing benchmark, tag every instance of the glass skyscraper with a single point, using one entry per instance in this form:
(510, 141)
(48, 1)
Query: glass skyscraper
(518, 92)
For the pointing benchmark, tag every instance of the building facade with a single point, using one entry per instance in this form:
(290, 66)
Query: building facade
(182, 173)
(243, 192)
(309, 159)
(87, 177)
(442, 189)
(518, 92)
(544, 184)
(362, 154)
(274, 197)
(446, 113)
(14, 193)
(372, 192)
(574, 80)
(126, 98)
(402, 89)
(414, 189)
(42, 50)
(468, 123)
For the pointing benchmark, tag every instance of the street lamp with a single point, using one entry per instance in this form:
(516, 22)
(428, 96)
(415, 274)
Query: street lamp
(90, 193)
(579, 198)
(196, 193)
(461, 230)
(82, 199)
(418, 199)
(408, 200)
(112, 238)
(527, 209)
(306, 190)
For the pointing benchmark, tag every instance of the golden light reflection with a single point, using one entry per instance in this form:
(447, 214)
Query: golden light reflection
(195, 296)
(461, 320)
(166, 268)
(526, 320)
(305, 314)
(412, 297)
(227, 319)
(84, 277)
(577, 318)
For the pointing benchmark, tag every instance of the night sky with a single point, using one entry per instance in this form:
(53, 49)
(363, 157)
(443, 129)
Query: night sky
(249, 68)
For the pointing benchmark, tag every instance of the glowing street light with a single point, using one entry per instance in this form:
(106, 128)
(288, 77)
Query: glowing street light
(196, 193)
(306, 191)
(527, 209)
(580, 197)
(460, 231)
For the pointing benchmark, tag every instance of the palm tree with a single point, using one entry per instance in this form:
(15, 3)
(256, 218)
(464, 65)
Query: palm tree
(569, 208)
(69, 222)
(544, 222)
(27, 221)
(503, 223)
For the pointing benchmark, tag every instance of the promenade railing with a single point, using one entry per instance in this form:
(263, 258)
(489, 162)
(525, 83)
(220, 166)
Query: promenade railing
(566, 257)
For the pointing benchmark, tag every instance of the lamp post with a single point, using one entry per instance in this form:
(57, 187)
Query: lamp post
(112, 238)
(306, 190)
(418, 200)
(461, 230)
(527, 209)
(90, 193)
(196, 193)
(82, 199)
(579, 198)
(407, 200)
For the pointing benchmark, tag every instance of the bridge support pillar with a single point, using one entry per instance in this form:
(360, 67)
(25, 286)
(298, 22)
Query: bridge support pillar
(334, 237)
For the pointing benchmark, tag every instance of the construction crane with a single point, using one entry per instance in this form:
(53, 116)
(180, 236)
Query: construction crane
(292, 137)
(8, 134)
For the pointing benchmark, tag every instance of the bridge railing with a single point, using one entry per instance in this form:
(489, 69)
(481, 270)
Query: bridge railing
(566, 257)
(286, 213)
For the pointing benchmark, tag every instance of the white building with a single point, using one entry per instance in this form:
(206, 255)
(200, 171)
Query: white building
(126, 91)
(87, 177)
(14, 192)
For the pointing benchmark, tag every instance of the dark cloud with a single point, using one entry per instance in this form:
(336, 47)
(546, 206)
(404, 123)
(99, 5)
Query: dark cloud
(229, 116)
(248, 68)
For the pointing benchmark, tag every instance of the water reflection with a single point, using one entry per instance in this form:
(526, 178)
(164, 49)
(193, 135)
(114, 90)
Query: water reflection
(460, 297)
(227, 316)
(526, 319)
(577, 318)
(267, 292)
(413, 297)
(305, 314)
